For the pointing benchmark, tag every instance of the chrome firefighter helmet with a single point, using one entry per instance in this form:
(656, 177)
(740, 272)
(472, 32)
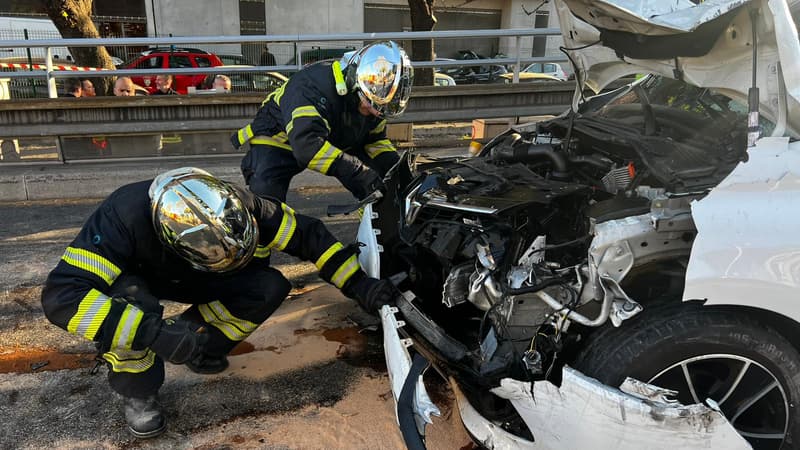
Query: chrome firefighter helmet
(382, 75)
(203, 220)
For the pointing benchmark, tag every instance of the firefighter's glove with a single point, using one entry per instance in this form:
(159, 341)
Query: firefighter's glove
(371, 294)
(366, 182)
(178, 341)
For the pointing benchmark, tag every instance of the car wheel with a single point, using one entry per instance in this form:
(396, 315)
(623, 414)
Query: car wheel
(748, 368)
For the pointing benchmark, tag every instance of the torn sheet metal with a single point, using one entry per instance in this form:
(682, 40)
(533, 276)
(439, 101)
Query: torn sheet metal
(398, 363)
(487, 433)
(584, 413)
(747, 250)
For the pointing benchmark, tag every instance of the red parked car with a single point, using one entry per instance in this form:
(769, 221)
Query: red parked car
(173, 58)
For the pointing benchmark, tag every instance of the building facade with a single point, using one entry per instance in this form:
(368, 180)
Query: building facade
(273, 17)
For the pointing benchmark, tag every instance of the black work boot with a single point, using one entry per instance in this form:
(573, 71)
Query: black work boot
(144, 417)
(207, 364)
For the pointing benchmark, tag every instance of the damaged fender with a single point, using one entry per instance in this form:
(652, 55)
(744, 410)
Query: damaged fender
(585, 413)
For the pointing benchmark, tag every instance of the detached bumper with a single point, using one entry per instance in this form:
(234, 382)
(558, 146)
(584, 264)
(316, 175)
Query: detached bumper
(398, 362)
(581, 413)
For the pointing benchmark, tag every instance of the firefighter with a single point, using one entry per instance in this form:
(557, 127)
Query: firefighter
(331, 118)
(189, 237)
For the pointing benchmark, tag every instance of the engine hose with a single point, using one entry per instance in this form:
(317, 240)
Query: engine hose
(519, 152)
(405, 405)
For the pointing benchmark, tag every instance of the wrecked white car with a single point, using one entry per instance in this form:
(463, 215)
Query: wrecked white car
(625, 275)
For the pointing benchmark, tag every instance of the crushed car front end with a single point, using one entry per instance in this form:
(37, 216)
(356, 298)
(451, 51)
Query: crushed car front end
(592, 280)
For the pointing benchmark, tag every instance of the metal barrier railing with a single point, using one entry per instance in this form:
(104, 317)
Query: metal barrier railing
(50, 74)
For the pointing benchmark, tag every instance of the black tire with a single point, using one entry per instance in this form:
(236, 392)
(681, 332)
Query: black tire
(729, 356)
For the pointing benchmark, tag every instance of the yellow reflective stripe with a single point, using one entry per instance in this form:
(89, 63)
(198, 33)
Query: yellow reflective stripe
(346, 270)
(376, 148)
(305, 111)
(264, 140)
(232, 327)
(92, 262)
(286, 230)
(324, 158)
(245, 134)
(327, 255)
(279, 93)
(262, 251)
(131, 361)
(92, 311)
(338, 76)
(379, 128)
(126, 328)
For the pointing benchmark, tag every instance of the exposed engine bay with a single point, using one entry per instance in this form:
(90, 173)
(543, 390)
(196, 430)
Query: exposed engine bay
(555, 229)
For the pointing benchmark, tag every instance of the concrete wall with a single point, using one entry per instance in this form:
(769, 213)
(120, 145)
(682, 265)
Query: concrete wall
(195, 18)
(313, 17)
(514, 16)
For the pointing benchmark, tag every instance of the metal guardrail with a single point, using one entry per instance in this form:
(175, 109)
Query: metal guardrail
(517, 60)
(202, 113)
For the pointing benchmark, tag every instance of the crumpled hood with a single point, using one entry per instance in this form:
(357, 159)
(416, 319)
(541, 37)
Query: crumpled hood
(707, 45)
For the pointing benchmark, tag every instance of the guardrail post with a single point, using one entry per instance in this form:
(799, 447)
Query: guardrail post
(51, 82)
(517, 67)
(9, 148)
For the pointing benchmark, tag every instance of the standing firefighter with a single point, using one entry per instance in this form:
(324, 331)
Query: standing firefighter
(330, 118)
(188, 237)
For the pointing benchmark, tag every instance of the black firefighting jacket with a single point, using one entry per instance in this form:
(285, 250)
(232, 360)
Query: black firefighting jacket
(119, 237)
(316, 117)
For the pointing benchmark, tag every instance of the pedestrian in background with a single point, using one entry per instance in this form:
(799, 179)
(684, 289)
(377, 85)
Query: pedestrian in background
(124, 87)
(222, 83)
(72, 87)
(267, 58)
(88, 88)
(164, 85)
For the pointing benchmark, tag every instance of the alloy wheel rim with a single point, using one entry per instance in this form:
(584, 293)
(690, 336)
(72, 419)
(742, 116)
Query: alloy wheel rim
(750, 396)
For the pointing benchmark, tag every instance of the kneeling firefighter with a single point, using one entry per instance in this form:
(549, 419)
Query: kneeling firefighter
(330, 118)
(188, 237)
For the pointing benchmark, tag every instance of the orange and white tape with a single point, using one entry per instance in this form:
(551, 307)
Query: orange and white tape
(44, 67)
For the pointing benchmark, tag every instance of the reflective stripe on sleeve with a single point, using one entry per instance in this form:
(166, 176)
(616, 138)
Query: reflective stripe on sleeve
(305, 111)
(376, 148)
(345, 271)
(92, 311)
(131, 361)
(262, 251)
(286, 230)
(379, 128)
(92, 262)
(327, 255)
(245, 134)
(126, 328)
(326, 155)
(217, 315)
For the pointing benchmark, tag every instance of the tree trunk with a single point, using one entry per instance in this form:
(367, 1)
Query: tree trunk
(422, 19)
(73, 18)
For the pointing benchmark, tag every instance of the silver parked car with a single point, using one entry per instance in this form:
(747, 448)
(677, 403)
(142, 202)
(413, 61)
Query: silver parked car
(625, 275)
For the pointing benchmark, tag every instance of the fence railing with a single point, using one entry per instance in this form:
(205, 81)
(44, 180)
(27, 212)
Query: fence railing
(515, 61)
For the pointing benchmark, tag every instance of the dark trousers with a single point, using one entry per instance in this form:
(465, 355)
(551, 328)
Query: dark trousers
(268, 170)
(250, 294)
